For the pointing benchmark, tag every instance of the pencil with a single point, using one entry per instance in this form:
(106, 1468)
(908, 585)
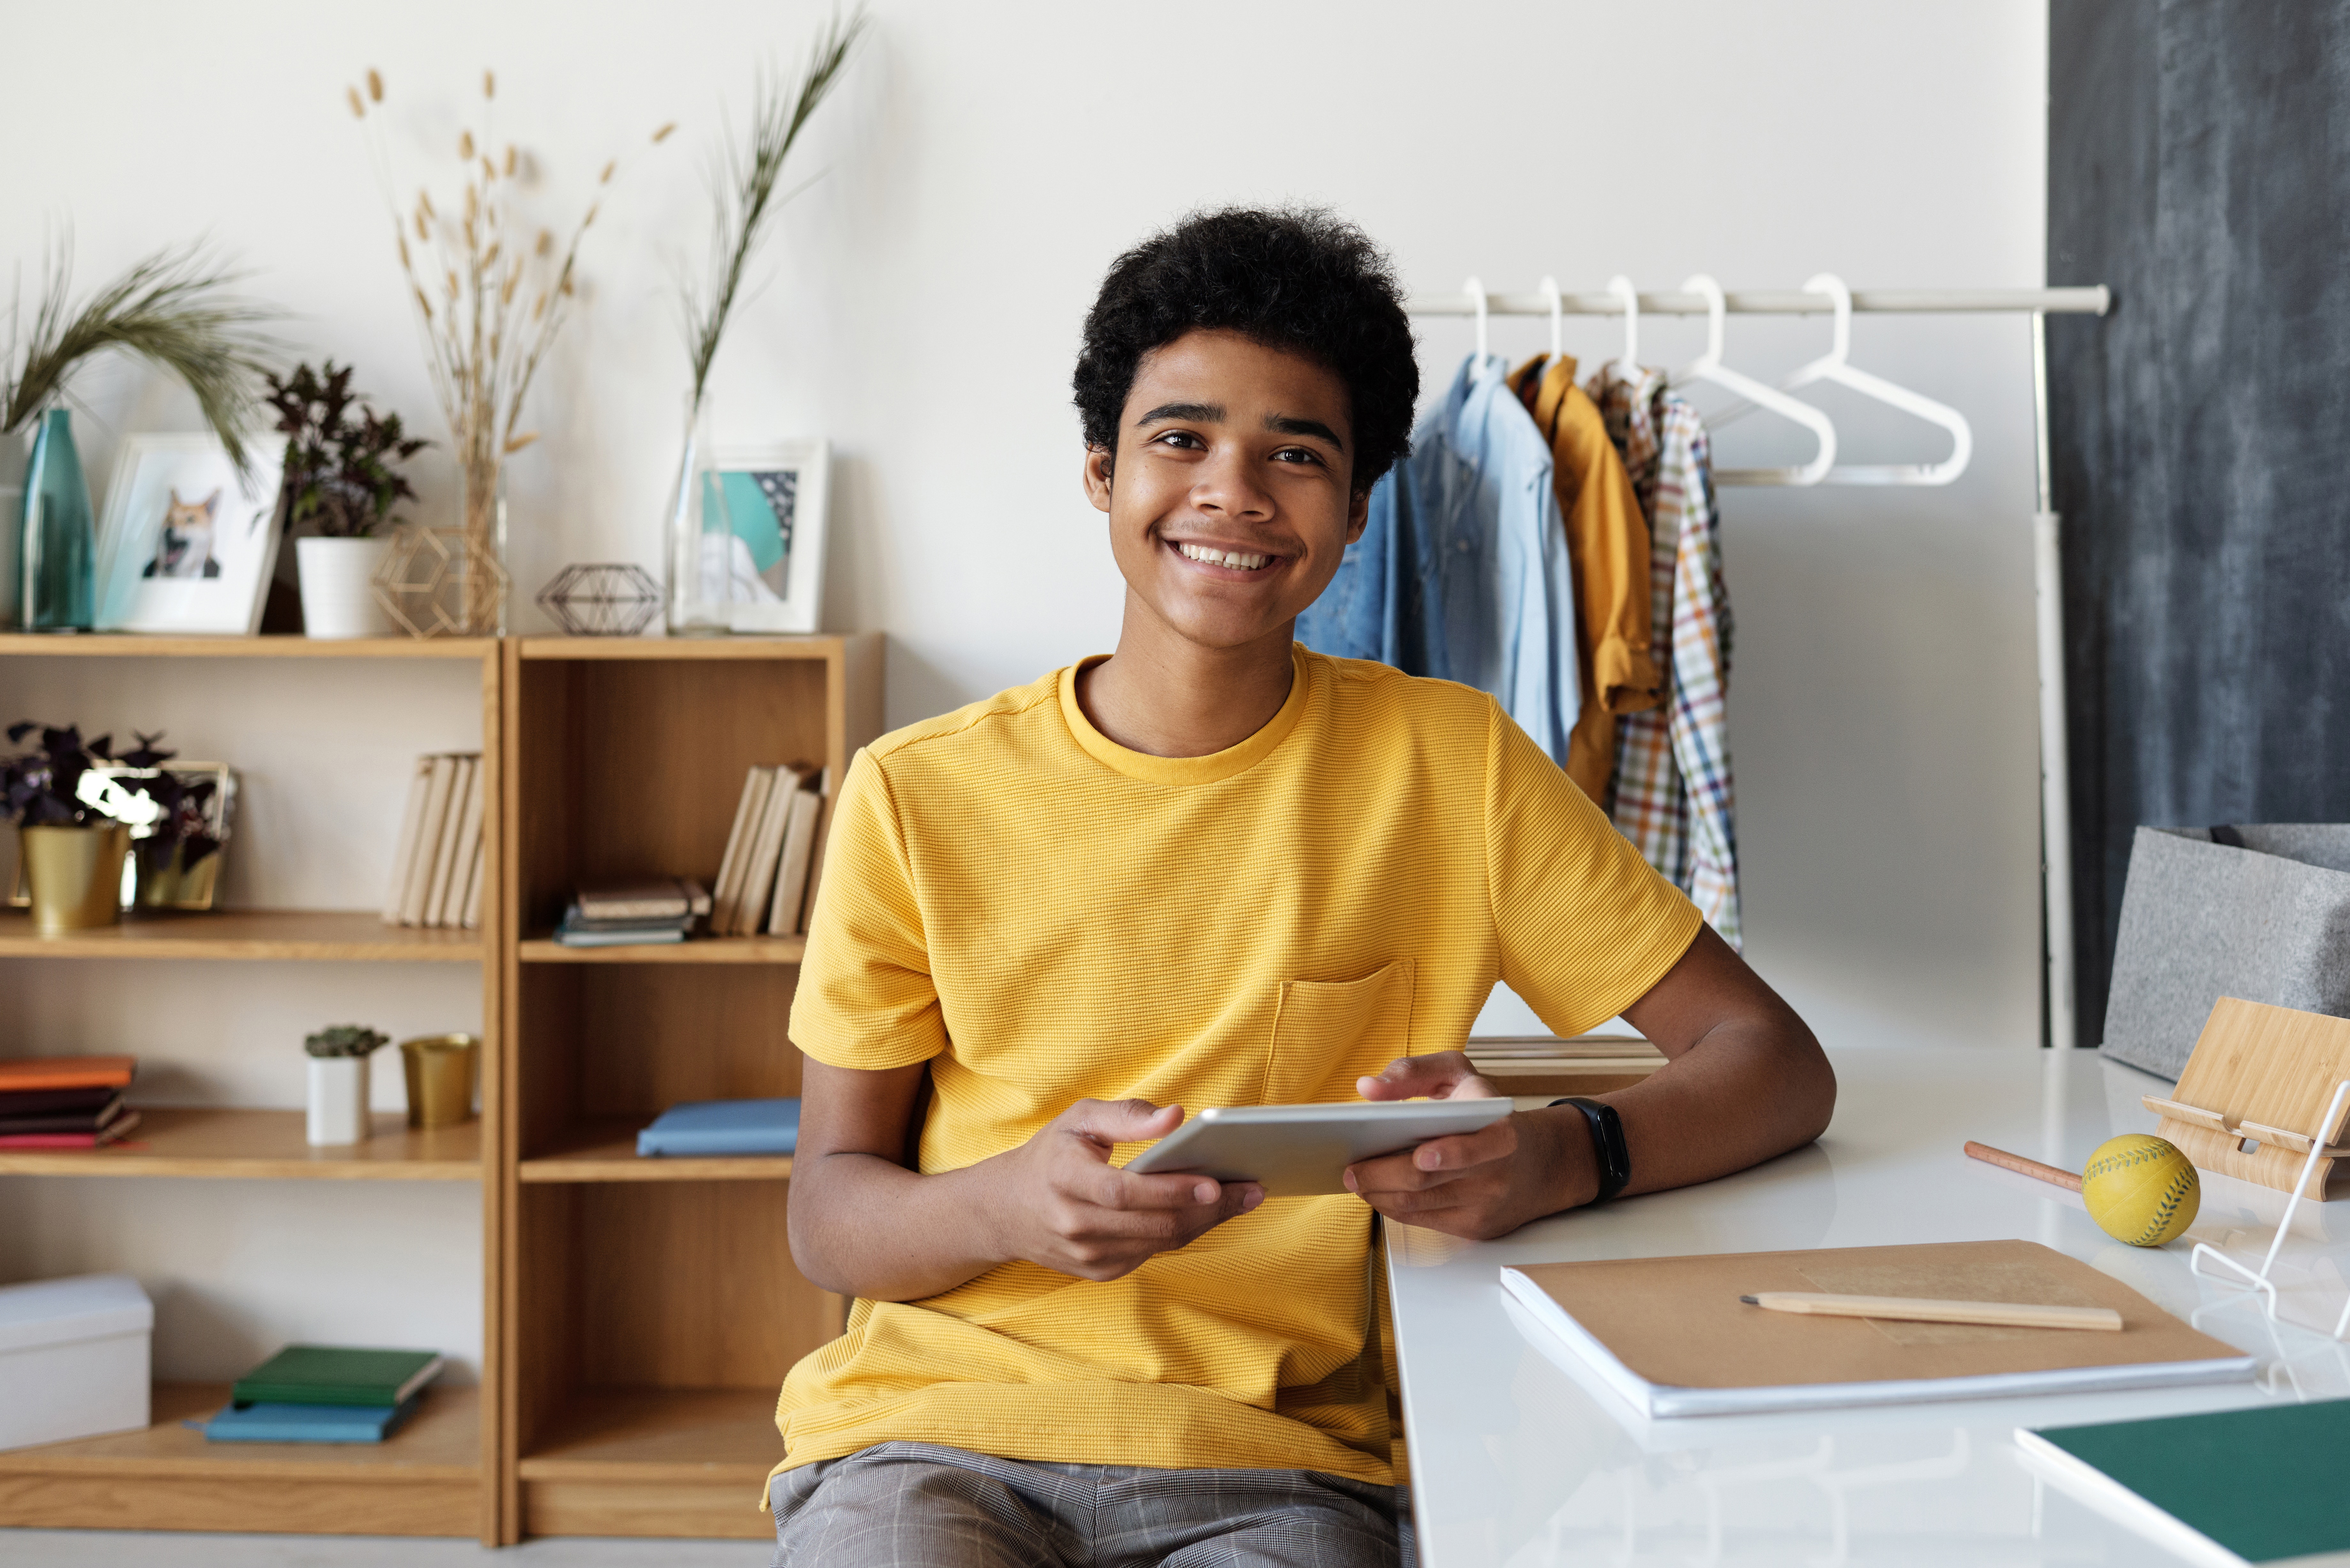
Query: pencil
(1910, 1309)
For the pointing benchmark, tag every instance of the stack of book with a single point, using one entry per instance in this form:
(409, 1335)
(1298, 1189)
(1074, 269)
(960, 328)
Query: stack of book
(1543, 1064)
(772, 854)
(324, 1393)
(628, 914)
(708, 1128)
(64, 1102)
(437, 871)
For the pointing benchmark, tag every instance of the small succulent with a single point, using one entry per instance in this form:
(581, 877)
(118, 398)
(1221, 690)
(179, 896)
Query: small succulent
(345, 1039)
(51, 786)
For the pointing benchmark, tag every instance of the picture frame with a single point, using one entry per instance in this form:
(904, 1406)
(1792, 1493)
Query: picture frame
(748, 549)
(187, 545)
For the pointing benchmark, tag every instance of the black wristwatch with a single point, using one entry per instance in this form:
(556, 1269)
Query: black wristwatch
(1607, 1142)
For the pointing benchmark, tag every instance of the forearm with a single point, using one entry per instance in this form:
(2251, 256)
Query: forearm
(866, 1226)
(1748, 1089)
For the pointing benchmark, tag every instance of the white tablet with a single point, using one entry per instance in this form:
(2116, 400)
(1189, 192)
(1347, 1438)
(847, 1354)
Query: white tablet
(1298, 1151)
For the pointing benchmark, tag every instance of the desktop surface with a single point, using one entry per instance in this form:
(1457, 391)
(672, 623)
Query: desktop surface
(1516, 1460)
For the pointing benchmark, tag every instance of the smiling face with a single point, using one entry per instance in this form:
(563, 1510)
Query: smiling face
(1231, 498)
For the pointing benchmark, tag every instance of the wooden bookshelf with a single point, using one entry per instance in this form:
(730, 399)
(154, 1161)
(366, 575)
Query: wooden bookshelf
(440, 1476)
(653, 1309)
(427, 1478)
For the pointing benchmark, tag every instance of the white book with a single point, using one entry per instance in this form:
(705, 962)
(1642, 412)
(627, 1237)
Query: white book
(429, 829)
(403, 853)
(792, 867)
(452, 833)
(815, 857)
(451, 906)
(727, 890)
(474, 893)
(765, 849)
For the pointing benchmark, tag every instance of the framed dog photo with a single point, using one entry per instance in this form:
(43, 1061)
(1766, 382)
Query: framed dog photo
(187, 545)
(749, 550)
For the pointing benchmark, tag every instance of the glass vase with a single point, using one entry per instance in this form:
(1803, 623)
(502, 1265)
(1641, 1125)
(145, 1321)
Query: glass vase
(56, 541)
(696, 606)
(482, 590)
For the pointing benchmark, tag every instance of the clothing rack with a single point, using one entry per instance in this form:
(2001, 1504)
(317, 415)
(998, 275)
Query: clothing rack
(2057, 998)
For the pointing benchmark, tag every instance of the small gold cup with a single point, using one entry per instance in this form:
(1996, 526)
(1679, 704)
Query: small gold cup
(442, 1073)
(75, 875)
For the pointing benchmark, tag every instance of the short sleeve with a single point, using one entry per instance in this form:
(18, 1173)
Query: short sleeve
(866, 997)
(1586, 926)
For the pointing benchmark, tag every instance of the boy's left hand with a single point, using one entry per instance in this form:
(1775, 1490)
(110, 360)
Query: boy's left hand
(1479, 1185)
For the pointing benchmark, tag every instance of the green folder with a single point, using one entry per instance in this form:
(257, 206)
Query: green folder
(2229, 1487)
(331, 1374)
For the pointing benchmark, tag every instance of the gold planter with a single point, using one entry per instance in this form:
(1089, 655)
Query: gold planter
(443, 1071)
(75, 876)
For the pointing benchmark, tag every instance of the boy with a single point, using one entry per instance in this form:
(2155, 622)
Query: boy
(1212, 868)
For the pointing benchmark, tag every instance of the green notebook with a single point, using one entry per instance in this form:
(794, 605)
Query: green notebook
(2231, 1487)
(330, 1375)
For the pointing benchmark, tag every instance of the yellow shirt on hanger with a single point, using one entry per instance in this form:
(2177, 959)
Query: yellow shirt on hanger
(1043, 915)
(1607, 542)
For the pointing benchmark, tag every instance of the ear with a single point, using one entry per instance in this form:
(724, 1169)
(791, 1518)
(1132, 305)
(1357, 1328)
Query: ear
(1358, 515)
(1099, 463)
(176, 501)
(211, 501)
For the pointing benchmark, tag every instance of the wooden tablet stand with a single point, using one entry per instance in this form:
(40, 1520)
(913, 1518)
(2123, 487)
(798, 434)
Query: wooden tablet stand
(2257, 1074)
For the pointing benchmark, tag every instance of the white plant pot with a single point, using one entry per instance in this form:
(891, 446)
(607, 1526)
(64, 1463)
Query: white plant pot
(338, 1100)
(337, 590)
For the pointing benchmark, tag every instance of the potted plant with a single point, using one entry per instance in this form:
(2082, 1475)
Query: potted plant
(341, 486)
(71, 848)
(338, 1083)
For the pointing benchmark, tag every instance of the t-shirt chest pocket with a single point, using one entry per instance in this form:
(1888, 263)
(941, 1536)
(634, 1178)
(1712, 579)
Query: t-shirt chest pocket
(1327, 1034)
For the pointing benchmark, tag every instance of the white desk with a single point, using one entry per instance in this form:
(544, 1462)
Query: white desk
(1516, 1461)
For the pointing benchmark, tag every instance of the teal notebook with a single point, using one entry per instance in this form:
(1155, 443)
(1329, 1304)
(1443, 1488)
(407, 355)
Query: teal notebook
(2231, 1487)
(332, 1374)
(308, 1423)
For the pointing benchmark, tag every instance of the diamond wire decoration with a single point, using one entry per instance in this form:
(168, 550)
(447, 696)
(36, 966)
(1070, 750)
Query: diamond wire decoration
(439, 582)
(602, 599)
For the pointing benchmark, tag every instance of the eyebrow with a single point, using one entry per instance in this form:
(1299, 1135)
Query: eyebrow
(1213, 414)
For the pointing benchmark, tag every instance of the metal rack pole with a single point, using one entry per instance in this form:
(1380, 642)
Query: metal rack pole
(2090, 301)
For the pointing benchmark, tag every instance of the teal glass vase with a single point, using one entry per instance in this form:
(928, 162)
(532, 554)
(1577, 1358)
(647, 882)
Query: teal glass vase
(57, 551)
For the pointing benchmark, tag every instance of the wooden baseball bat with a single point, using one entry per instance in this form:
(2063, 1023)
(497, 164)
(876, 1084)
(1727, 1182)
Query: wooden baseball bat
(2022, 1167)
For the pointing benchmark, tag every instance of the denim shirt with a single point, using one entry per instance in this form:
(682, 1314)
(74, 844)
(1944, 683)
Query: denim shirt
(1463, 570)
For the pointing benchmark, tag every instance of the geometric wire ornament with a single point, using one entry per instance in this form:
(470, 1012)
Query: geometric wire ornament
(602, 599)
(441, 582)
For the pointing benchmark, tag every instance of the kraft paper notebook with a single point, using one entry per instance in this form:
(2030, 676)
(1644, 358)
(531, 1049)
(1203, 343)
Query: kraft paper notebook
(1671, 1337)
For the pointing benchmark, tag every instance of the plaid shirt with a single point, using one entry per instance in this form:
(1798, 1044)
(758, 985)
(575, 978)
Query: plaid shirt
(1671, 794)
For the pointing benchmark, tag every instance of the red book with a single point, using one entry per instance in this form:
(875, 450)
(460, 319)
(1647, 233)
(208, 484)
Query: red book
(66, 1073)
(120, 1126)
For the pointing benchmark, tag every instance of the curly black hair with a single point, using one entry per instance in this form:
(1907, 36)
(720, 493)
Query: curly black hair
(1301, 279)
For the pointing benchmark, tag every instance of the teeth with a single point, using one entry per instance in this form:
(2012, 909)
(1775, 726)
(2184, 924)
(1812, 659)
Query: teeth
(1215, 557)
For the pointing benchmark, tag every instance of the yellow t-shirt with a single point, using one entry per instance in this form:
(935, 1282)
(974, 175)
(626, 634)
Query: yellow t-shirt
(1045, 916)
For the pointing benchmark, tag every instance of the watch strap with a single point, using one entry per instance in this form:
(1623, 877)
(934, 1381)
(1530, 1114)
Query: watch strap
(1614, 1155)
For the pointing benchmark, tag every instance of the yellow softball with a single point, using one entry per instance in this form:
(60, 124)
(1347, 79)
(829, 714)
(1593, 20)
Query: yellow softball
(2141, 1189)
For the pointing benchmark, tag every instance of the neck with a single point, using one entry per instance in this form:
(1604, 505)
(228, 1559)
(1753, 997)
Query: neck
(1167, 696)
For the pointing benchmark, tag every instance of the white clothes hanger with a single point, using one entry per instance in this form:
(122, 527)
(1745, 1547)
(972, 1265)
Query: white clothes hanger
(1832, 367)
(1557, 317)
(1621, 288)
(1475, 290)
(1708, 366)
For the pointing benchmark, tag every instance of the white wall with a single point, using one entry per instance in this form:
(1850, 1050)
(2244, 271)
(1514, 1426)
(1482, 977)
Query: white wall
(985, 163)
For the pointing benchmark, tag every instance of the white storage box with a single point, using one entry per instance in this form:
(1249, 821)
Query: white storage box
(74, 1358)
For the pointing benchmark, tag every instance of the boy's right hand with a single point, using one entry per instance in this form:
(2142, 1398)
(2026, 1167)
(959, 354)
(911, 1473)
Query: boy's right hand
(1058, 1201)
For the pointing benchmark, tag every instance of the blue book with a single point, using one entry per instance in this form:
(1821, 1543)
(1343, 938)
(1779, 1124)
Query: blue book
(724, 1127)
(274, 1423)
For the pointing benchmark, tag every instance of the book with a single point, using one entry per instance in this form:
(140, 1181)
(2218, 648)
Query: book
(792, 869)
(336, 1374)
(666, 897)
(464, 850)
(816, 860)
(764, 852)
(708, 1128)
(65, 1121)
(275, 1422)
(66, 1073)
(430, 828)
(480, 879)
(2226, 1488)
(55, 1102)
(403, 853)
(578, 932)
(574, 920)
(113, 1132)
(727, 893)
(1671, 1337)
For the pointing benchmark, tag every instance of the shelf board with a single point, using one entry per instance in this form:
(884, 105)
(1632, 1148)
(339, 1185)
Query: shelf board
(818, 646)
(660, 1435)
(607, 1152)
(441, 1442)
(545, 949)
(261, 1145)
(343, 935)
(115, 645)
